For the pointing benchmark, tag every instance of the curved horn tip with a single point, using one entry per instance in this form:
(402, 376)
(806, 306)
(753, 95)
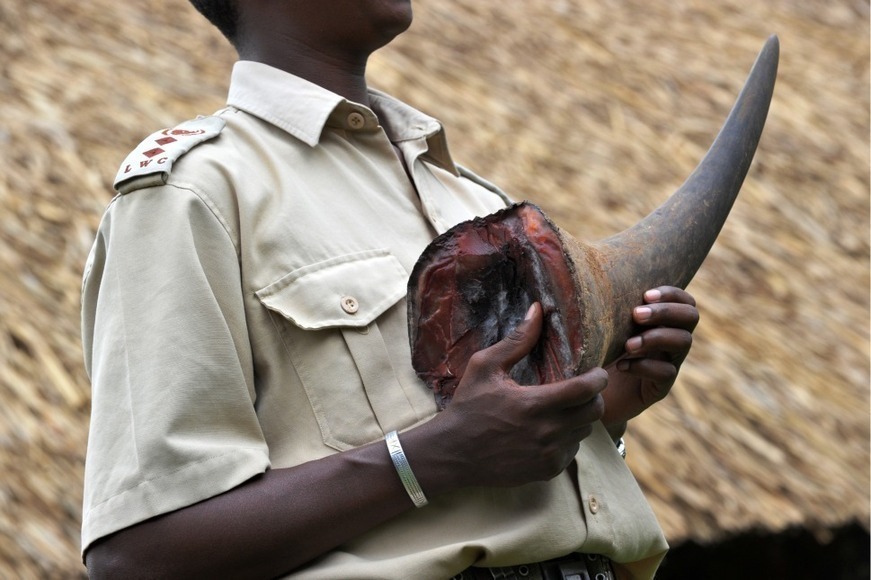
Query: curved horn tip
(772, 44)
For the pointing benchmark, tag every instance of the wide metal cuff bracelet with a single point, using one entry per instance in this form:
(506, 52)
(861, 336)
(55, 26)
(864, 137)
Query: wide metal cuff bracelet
(406, 475)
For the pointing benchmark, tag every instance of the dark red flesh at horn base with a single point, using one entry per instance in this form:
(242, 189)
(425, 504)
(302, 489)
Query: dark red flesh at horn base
(475, 283)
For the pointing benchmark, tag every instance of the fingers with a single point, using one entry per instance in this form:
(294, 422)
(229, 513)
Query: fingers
(561, 414)
(509, 434)
(669, 294)
(570, 406)
(502, 356)
(658, 371)
(672, 314)
(671, 341)
(667, 306)
(516, 345)
(570, 394)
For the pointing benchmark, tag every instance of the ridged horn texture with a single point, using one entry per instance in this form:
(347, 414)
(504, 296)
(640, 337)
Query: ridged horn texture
(475, 282)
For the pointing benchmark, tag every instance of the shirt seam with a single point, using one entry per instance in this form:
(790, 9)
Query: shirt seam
(213, 209)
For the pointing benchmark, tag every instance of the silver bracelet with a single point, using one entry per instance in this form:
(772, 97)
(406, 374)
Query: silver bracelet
(406, 475)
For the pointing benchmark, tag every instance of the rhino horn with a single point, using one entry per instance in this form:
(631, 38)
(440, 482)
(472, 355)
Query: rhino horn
(475, 282)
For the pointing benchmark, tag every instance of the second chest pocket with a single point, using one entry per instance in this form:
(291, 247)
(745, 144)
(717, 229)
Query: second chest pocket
(328, 317)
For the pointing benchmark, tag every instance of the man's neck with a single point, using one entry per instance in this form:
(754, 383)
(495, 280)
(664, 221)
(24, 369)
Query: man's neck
(343, 74)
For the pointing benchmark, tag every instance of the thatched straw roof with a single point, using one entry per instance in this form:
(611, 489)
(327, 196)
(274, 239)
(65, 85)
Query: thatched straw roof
(595, 111)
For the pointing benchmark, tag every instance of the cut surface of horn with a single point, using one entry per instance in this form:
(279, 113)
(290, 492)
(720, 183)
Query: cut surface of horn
(475, 282)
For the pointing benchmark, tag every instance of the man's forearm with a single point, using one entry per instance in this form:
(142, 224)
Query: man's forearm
(265, 527)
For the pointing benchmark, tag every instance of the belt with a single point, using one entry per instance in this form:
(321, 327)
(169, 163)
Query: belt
(573, 567)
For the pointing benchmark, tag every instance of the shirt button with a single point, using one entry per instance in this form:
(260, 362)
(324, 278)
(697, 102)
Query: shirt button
(594, 504)
(356, 120)
(350, 304)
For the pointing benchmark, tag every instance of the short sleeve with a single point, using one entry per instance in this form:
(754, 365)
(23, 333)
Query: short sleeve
(166, 347)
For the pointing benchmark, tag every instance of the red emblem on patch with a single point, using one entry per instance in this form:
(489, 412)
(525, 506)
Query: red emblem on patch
(152, 152)
(166, 140)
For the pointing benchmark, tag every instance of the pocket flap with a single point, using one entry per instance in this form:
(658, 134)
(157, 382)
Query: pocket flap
(350, 290)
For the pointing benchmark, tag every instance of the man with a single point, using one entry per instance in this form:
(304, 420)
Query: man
(245, 333)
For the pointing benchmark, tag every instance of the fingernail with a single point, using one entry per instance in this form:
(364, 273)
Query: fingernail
(652, 295)
(530, 312)
(633, 344)
(643, 313)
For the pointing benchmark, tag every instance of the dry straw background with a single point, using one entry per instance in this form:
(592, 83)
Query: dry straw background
(594, 110)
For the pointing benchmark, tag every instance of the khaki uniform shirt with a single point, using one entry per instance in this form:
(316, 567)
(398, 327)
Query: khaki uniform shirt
(244, 309)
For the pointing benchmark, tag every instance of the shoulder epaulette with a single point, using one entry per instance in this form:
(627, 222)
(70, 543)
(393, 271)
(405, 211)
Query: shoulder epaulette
(151, 162)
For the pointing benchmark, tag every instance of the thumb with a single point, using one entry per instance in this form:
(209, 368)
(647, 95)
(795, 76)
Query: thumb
(519, 342)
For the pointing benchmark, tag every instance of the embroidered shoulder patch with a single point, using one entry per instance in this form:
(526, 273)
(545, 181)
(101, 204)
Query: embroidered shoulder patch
(151, 162)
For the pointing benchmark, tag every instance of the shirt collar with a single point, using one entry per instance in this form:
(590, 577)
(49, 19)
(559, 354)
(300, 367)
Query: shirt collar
(304, 109)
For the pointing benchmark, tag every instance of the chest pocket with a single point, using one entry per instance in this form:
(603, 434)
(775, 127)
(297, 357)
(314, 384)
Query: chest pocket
(327, 315)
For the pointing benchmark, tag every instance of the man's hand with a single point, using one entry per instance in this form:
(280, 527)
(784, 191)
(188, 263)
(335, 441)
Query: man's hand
(646, 373)
(498, 433)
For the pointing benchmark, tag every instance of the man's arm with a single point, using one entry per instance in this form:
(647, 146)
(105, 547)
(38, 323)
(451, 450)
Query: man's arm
(495, 433)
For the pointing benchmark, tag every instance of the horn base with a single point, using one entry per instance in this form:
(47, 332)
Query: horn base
(475, 283)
